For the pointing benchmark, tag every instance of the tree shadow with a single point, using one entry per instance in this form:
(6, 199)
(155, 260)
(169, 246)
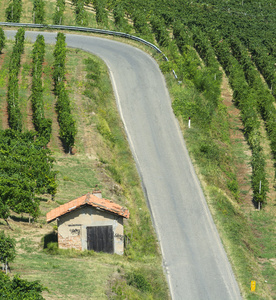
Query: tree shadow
(51, 237)
(20, 219)
(42, 199)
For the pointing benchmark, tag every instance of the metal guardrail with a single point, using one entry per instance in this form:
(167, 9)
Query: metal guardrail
(88, 29)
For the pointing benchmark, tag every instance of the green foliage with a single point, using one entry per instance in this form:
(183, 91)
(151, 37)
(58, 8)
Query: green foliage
(264, 100)
(138, 280)
(265, 64)
(246, 100)
(42, 125)
(60, 57)
(26, 171)
(7, 248)
(101, 12)
(68, 129)
(119, 18)
(58, 15)
(53, 249)
(140, 25)
(81, 14)
(13, 11)
(209, 149)
(182, 36)
(104, 129)
(233, 185)
(15, 117)
(2, 40)
(141, 283)
(241, 237)
(38, 11)
(19, 289)
(160, 31)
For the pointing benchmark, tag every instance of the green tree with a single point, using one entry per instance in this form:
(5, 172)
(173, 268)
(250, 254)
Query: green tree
(7, 248)
(26, 170)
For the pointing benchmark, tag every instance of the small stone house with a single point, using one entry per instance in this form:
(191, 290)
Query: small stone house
(90, 222)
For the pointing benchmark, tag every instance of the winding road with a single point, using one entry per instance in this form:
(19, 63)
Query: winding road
(193, 256)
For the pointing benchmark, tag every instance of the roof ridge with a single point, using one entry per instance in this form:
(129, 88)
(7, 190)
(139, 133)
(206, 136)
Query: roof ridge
(87, 199)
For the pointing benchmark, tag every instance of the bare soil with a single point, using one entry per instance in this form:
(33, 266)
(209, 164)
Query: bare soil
(243, 166)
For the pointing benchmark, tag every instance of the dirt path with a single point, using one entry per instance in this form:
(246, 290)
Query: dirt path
(243, 151)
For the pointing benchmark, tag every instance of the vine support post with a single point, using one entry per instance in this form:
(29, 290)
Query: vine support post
(260, 189)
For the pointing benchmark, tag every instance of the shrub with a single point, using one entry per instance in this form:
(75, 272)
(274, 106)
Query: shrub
(19, 289)
(139, 281)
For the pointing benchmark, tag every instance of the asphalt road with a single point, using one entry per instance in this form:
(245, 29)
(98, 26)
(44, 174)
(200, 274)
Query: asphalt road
(194, 259)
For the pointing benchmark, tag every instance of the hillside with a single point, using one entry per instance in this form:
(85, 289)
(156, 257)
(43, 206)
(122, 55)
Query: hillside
(108, 164)
(224, 56)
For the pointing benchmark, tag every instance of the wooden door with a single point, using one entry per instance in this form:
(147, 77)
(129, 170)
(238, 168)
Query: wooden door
(100, 239)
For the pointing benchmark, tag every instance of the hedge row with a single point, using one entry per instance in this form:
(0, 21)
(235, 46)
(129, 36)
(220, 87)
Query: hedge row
(38, 11)
(13, 11)
(58, 15)
(14, 114)
(271, 47)
(80, 13)
(265, 100)
(119, 18)
(67, 124)
(206, 78)
(160, 31)
(140, 24)
(101, 12)
(265, 64)
(2, 40)
(42, 126)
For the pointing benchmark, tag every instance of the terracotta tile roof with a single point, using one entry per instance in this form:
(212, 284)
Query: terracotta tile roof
(88, 199)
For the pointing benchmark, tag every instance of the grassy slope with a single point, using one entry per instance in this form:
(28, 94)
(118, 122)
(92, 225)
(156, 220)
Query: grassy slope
(246, 236)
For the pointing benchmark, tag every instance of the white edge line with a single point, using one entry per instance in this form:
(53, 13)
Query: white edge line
(165, 268)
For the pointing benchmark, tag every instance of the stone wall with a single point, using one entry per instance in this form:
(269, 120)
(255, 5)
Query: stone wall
(69, 243)
(73, 241)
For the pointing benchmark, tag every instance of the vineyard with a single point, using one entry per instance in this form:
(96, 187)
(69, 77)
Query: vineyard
(212, 46)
